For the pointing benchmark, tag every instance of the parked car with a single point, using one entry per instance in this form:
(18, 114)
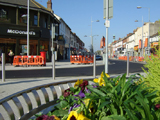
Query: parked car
(98, 57)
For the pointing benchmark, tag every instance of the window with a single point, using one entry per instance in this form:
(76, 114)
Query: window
(35, 20)
(3, 13)
(23, 17)
(45, 23)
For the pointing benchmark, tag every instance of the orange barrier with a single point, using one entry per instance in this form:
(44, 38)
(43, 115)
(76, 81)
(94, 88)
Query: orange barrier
(81, 59)
(131, 58)
(28, 60)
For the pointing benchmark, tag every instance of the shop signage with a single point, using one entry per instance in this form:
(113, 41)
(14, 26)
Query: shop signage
(20, 32)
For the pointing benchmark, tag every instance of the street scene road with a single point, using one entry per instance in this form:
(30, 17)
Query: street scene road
(115, 67)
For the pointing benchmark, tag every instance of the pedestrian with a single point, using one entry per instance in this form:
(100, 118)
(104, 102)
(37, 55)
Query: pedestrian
(11, 55)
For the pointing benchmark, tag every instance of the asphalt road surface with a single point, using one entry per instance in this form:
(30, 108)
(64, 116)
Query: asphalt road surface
(116, 67)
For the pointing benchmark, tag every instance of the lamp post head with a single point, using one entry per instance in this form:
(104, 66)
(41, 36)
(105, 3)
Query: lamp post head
(85, 36)
(97, 20)
(139, 7)
(136, 21)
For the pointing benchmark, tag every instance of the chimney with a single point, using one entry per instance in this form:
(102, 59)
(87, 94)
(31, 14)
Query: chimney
(49, 5)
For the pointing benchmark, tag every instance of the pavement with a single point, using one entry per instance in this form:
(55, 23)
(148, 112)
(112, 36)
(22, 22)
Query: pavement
(11, 86)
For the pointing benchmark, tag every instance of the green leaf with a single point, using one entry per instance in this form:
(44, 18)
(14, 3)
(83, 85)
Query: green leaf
(61, 97)
(113, 117)
(77, 92)
(103, 104)
(72, 89)
(60, 112)
(65, 117)
(131, 115)
(146, 108)
(114, 110)
(123, 80)
(81, 108)
(151, 94)
(63, 104)
(96, 91)
(38, 114)
(49, 113)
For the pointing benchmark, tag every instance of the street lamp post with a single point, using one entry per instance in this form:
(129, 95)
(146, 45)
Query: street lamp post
(91, 42)
(91, 36)
(28, 30)
(148, 45)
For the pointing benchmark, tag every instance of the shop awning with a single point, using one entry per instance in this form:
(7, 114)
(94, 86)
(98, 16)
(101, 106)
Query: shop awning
(146, 42)
(140, 44)
(102, 43)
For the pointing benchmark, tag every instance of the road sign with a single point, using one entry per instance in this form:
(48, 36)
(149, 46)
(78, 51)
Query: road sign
(108, 11)
(107, 23)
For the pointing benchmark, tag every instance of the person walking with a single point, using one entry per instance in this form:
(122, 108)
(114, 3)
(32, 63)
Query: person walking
(11, 55)
(1, 55)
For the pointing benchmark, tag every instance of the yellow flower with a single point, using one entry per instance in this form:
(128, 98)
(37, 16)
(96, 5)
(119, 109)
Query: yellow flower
(117, 82)
(103, 75)
(100, 80)
(76, 116)
(82, 117)
(73, 115)
(86, 102)
(78, 82)
(56, 118)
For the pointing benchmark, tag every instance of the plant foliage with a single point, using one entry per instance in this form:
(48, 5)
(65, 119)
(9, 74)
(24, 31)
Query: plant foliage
(152, 77)
(108, 99)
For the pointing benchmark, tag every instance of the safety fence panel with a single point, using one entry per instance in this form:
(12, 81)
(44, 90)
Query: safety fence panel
(80, 59)
(28, 60)
(132, 58)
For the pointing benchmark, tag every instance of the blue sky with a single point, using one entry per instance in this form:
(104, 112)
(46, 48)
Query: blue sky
(77, 14)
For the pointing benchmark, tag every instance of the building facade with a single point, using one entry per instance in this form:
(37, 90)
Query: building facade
(13, 32)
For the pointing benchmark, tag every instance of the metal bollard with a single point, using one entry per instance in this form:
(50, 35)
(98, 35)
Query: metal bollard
(3, 67)
(94, 66)
(128, 64)
(53, 66)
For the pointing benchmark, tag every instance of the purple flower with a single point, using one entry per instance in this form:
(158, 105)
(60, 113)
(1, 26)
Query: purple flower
(94, 86)
(157, 106)
(81, 94)
(87, 90)
(74, 106)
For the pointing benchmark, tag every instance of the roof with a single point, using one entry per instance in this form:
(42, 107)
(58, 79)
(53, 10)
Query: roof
(23, 4)
(59, 18)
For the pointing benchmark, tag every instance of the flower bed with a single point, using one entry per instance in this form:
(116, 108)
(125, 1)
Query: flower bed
(106, 99)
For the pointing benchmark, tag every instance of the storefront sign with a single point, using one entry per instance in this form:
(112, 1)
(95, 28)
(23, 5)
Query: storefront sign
(20, 32)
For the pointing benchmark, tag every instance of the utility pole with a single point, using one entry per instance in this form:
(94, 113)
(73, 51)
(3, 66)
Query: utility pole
(28, 29)
(108, 14)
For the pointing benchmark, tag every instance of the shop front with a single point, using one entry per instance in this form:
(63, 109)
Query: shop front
(14, 37)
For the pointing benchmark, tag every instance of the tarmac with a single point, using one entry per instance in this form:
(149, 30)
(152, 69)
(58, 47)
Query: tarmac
(11, 86)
